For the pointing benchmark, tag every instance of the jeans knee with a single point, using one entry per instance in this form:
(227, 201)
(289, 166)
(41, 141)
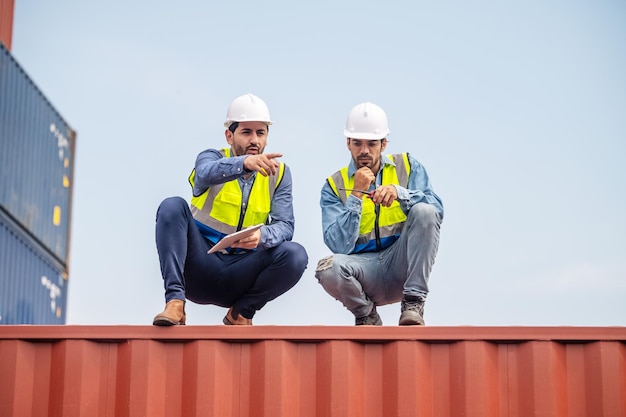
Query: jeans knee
(296, 255)
(173, 203)
(171, 207)
(324, 270)
(334, 272)
(424, 215)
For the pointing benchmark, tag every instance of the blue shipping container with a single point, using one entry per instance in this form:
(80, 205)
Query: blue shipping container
(36, 159)
(33, 284)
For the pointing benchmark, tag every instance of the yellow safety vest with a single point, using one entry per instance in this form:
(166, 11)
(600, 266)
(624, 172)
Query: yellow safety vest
(220, 206)
(380, 226)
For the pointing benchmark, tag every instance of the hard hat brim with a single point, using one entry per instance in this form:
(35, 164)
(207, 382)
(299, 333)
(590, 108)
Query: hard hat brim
(364, 136)
(230, 122)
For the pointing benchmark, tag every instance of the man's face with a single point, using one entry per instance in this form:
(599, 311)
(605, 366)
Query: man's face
(249, 138)
(366, 153)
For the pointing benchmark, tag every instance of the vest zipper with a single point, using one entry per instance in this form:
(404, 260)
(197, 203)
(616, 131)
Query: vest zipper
(377, 211)
(376, 230)
(244, 207)
(242, 213)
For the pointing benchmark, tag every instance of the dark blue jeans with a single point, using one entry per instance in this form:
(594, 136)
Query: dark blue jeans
(244, 281)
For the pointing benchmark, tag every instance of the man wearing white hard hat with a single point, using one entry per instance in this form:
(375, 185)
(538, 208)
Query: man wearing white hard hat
(233, 189)
(381, 219)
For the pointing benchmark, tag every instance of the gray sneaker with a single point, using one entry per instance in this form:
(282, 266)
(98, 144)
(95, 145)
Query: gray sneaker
(412, 311)
(372, 319)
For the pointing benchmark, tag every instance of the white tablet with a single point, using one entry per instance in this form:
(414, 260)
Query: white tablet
(233, 237)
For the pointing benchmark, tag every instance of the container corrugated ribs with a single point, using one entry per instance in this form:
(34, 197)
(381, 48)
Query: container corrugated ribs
(33, 288)
(36, 159)
(312, 371)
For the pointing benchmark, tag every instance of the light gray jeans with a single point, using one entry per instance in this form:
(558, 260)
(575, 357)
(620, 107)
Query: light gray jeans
(362, 280)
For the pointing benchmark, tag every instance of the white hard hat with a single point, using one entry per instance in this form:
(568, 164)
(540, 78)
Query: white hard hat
(247, 108)
(366, 121)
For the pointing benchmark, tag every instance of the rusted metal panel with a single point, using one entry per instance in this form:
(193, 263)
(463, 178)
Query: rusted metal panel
(312, 371)
(36, 159)
(6, 22)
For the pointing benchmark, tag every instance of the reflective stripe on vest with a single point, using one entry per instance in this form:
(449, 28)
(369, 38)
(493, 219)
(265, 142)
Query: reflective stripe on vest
(378, 227)
(220, 206)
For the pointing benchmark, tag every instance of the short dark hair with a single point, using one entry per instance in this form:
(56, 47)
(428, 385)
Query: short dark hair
(233, 127)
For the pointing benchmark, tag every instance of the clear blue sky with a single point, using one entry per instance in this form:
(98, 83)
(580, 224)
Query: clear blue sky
(516, 109)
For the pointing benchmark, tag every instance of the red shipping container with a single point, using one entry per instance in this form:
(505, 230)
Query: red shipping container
(312, 371)
(6, 22)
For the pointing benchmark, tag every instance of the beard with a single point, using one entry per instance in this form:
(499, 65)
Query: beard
(365, 161)
(248, 150)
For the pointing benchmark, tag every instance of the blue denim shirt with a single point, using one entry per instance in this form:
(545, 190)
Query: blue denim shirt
(340, 224)
(213, 169)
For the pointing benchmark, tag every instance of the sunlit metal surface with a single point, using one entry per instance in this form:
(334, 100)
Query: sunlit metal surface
(312, 371)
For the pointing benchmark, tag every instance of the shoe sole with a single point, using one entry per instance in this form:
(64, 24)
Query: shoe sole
(166, 322)
(410, 319)
(230, 323)
(411, 323)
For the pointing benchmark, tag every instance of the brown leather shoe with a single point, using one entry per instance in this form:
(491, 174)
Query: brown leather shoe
(173, 314)
(240, 320)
